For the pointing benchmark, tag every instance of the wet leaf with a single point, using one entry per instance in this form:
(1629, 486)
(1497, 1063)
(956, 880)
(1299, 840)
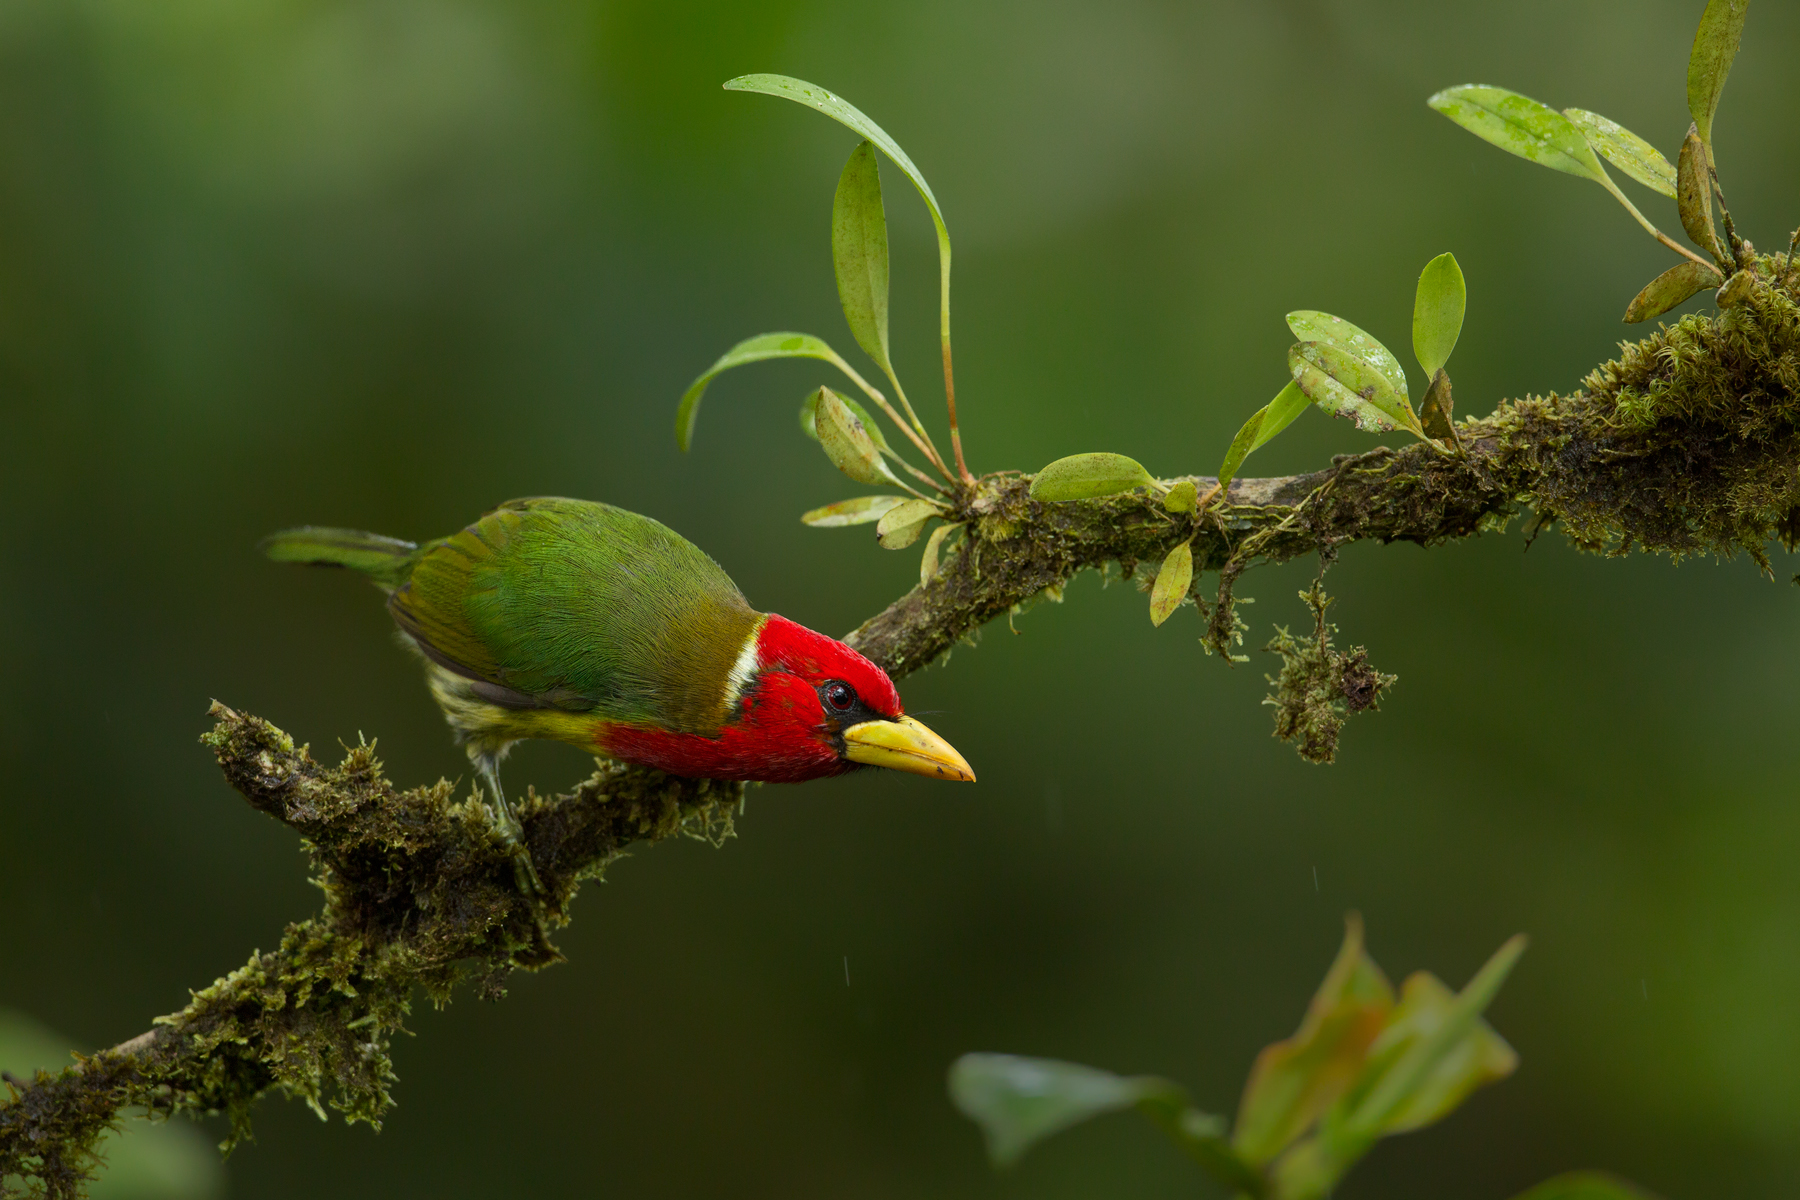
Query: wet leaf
(1172, 582)
(1680, 282)
(1693, 195)
(1408, 1084)
(1294, 1081)
(1438, 305)
(1625, 150)
(847, 114)
(1520, 125)
(1435, 411)
(1344, 384)
(809, 418)
(1585, 1185)
(859, 511)
(1183, 497)
(1019, 1102)
(1715, 45)
(762, 346)
(847, 442)
(902, 524)
(1086, 476)
(928, 562)
(1309, 326)
(859, 252)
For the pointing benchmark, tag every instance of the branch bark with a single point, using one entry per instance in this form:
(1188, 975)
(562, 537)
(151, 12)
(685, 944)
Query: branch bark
(1688, 443)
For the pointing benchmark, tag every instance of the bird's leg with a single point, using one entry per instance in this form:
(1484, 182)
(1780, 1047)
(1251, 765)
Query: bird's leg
(507, 822)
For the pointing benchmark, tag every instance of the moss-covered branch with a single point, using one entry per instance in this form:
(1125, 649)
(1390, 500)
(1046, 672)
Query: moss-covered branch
(1689, 443)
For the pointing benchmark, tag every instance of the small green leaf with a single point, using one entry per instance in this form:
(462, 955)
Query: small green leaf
(1086, 476)
(1311, 326)
(847, 442)
(859, 252)
(1438, 306)
(859, 511)
(1435, 411)
(1625, 150)
(1715, 45)
(1172, 582)
(847, 114)
(809, 419)
(756, 349)
(1685, 279)
(928, 562)
(1345, 385)
(1019, 1102)
(902, 524)
(1381, 1103)
(1294, 1081)
(1520, 125)
(1183, 497)
(1693, 195)
(1479, 1057)
(1243, 443)
(1585, 1185)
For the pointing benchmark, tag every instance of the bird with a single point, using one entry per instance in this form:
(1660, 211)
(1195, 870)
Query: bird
(581, 622)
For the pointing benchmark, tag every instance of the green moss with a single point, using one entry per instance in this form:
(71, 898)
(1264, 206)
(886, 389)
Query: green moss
(1319, 685)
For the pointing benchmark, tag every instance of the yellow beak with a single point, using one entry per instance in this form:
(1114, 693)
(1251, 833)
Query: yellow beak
(905, 745)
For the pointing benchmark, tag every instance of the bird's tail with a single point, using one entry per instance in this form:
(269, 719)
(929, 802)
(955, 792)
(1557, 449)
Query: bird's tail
(385, 560)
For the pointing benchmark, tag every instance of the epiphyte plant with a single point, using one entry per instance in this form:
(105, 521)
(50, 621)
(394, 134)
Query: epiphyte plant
(1365, 1064)
(1574, 140)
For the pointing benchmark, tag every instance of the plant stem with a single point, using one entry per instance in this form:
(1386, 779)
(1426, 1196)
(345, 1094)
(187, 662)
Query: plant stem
(929, 448)
(1654, 232)
(881, 401)
(950, 401)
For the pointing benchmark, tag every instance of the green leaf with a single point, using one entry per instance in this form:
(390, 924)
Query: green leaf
(1737, 289)
(1438, 306)
(1262, 427)
(928, 562)
(902, 524)
(1479, 1057)
(809, 419)
(859, 252)
(1294, 1081)
(756, 349)
(1183, 497)
(1408, 1085)
(1585, 1185)
(1172, 582)
(1086, 476)
(1520, 125)
(1680, 282)
(847, 442)
(1625, 150)
(1310, 326)
(1715, 45)
(1693, 194)
(847, 114)
(1019, 1102)
(859, 511)
(1345, 385)
(1436, 409)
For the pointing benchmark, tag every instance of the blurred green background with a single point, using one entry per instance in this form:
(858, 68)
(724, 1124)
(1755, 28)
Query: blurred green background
(384, 263)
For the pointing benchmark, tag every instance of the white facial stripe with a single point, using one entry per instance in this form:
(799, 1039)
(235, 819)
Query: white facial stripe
(743, 671)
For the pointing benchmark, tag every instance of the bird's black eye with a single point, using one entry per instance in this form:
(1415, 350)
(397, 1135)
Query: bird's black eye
(840, 696)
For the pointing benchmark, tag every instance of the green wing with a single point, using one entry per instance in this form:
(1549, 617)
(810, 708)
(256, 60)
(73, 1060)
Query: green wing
(576, 605)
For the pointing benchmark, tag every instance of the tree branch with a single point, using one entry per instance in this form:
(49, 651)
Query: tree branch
(1689, 443)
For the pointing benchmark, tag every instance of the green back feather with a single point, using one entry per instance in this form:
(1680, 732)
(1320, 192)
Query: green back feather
(584, 606)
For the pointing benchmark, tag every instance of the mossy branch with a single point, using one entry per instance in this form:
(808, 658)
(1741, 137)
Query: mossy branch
(1689, 443)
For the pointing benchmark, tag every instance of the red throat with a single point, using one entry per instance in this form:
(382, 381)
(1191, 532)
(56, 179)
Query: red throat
(778, 731)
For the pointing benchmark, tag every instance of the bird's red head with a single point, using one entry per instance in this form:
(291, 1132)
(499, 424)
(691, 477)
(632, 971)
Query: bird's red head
(818, 708)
